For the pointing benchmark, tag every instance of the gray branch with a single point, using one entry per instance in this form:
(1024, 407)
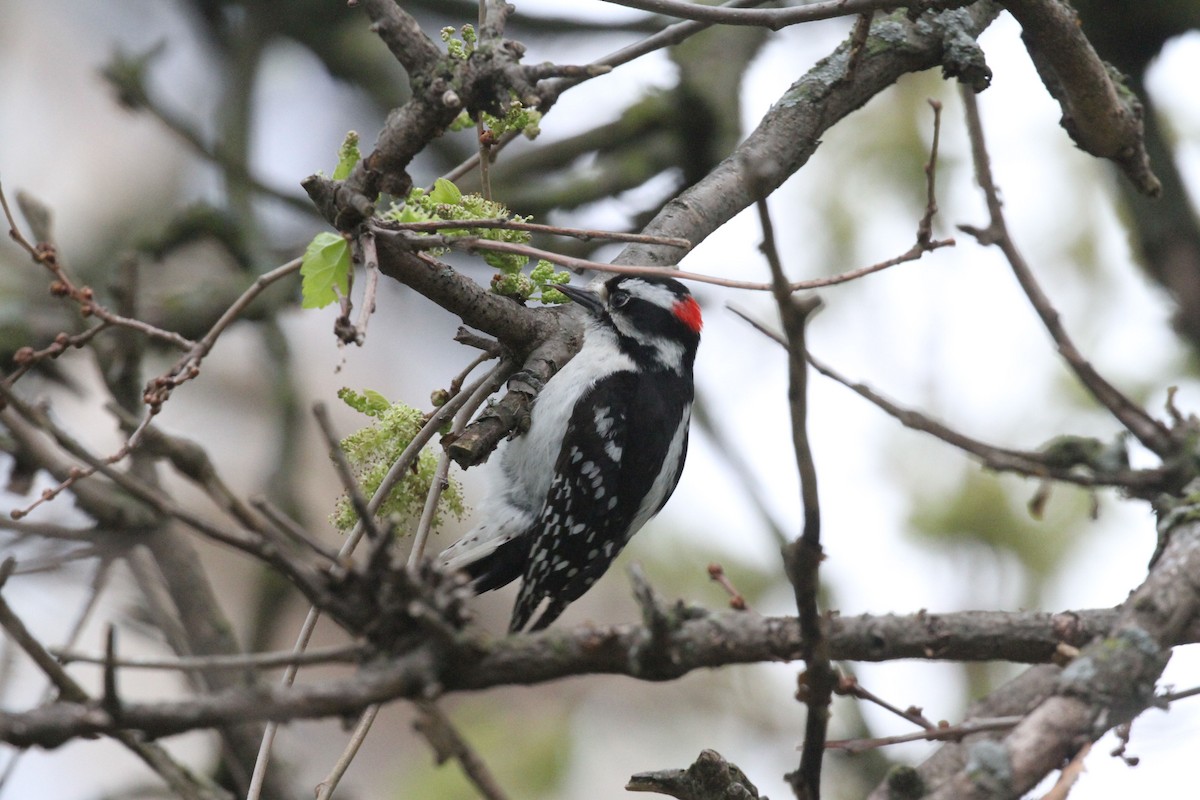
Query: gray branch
(694, 640)
(1101, 114)
(791, 131)
(1110, 682)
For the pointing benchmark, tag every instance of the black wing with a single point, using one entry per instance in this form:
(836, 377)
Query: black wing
(611, 457)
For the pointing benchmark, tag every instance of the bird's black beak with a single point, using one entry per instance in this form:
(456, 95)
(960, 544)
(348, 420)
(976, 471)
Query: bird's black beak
(592, 301)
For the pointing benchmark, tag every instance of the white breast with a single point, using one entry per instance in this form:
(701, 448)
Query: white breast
(528, 462)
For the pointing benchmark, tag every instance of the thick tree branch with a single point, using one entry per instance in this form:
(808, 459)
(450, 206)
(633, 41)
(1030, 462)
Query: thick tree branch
(514, 325)
(403, 36)
(791, 131)
(782, 144)
(545, 338)
(703, 640)
(442, 87)
(1100, 113)
(1112, 680)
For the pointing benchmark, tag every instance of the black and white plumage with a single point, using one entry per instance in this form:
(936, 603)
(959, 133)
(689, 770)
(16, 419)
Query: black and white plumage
(603, 453)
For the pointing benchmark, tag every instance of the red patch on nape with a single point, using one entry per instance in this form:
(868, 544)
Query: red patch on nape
(687, 311)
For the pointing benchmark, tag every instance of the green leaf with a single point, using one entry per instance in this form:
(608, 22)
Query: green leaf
(370, 402)
(445, 193)
(376, 402)
(348, 156)
(324, 269)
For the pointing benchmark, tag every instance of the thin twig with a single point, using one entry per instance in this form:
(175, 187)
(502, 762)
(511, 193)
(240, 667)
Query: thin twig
(457, 381)
(850, 686)
(939, 734)
(858, 41)
(802, 557)
(345, 472)
(326, 787)
(448, 743)
(582, 234)
(370, 259)
(485, 140)
(1149, 431)
(1143, 482)
(1171, 697)
(159, 389)
(180, 780)
(472, 403)
(79, 473)
(436, 485)
(259, 775)
(471, 244)
(286, 525)
(402, 464)
(717, 573)
(322, 655)
(46, 254)
(925, 226)
(26, 358)
(773, 18)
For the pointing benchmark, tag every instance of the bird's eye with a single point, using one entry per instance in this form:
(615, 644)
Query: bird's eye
(618, 298)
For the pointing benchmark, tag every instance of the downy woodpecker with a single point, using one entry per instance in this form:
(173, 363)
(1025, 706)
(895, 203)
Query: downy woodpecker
(604, 450)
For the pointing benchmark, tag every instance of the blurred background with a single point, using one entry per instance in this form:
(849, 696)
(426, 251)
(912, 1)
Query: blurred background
(909, 522)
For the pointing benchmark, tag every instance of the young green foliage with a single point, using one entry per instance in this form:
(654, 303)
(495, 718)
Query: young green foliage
(370, 402)
(371, 452)
(517, 118)
(539, 283)
(447, 202)
(348, 156)
(325, 268)
(460, 48)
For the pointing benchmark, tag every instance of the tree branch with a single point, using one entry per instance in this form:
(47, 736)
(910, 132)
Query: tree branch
(1112, 680)
(1100, 113)
(778, 18)
(1149, 431)
(790, 132)
(703, 640)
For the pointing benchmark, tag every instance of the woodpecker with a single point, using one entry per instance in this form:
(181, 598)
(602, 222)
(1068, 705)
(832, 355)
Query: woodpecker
(605, 447)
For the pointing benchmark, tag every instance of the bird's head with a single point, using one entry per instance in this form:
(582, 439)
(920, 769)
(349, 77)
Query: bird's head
(654, 318)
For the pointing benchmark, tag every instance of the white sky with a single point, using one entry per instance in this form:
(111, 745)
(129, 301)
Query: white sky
(949, 335)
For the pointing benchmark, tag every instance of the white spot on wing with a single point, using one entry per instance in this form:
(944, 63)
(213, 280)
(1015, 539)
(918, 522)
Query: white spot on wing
(604, 422)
